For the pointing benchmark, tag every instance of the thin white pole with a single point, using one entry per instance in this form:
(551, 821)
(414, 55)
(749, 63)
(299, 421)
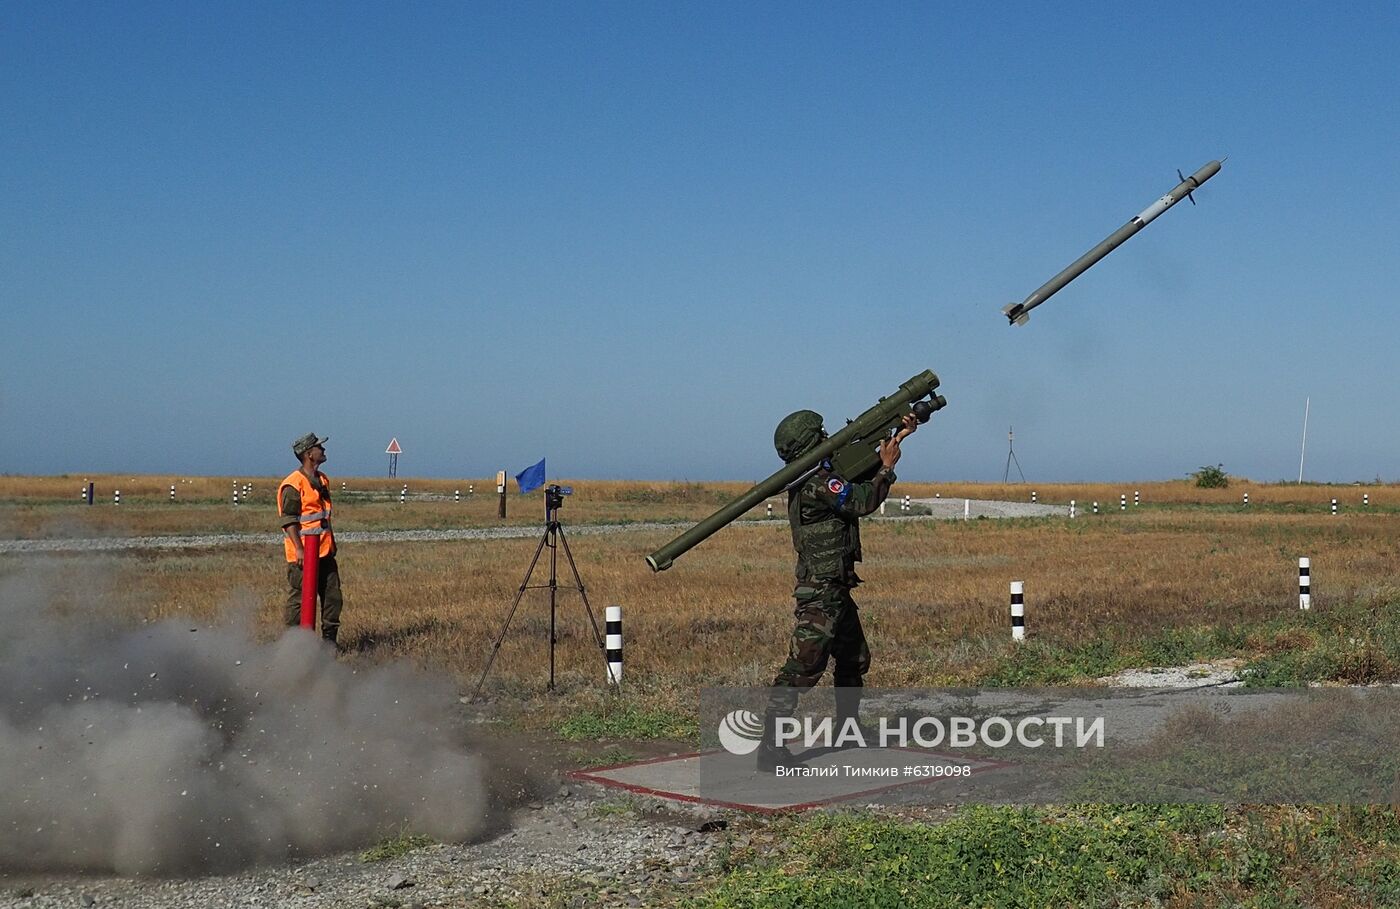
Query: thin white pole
(1306, 404)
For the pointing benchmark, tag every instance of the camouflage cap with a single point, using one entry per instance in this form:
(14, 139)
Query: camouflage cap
(306, 443)
(797, 434)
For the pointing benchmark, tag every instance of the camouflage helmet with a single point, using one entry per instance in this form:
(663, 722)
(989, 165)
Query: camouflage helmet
(797, 434)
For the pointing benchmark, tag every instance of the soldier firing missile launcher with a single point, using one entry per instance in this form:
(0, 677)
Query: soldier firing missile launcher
(853, 453)
(1019, 313)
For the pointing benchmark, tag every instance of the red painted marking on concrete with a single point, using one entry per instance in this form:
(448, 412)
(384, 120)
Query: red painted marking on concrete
(590, 775)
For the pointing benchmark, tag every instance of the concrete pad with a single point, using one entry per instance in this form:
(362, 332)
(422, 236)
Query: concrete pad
(822, 776)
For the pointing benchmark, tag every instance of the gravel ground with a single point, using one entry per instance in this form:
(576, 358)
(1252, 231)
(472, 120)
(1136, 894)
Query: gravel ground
(113, 544)
(922, 508)
(980, 508)
(1214, 674)
(580, 847)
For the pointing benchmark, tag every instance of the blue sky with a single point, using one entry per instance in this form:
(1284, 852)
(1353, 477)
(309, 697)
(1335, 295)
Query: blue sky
(632, 236)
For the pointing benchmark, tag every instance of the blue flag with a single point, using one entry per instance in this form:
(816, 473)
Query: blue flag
(531, 477)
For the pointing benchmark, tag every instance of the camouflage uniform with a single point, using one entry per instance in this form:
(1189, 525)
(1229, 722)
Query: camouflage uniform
(824, 512)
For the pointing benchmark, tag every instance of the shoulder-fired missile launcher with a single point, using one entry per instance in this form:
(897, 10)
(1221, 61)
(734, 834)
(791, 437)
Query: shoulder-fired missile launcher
(854, 455)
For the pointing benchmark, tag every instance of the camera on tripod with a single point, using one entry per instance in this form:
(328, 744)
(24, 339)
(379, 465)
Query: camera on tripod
(553, 539)
(554, 496)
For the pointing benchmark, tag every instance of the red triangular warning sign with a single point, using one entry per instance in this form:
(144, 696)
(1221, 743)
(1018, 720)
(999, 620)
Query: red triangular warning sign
(393, 447)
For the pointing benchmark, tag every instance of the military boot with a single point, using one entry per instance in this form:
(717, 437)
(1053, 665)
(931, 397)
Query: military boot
(848, 708)
(771, 756)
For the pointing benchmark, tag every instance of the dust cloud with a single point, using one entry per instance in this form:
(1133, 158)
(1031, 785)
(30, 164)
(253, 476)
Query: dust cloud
(183, 747)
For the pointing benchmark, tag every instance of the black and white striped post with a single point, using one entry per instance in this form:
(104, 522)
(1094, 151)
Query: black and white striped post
(403, 494)
(471, 489)
(1018, 611)
(1246, 500)
(770, 509)
(1032, 496)
(172, 492)
(1096, 508)
(1366, 500)
(1071, 507)
(235, 493)
(456, 495)
(1123, 501)
(1334, 506)
(117, 497)
(904, 506)
(613, 616)
(1137, 497)
(1304, 584)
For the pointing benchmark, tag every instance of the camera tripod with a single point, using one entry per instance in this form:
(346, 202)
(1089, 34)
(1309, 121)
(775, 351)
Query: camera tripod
(553, 537)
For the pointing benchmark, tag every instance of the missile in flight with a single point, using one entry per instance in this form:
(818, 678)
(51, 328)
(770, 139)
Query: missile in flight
(1019, 313)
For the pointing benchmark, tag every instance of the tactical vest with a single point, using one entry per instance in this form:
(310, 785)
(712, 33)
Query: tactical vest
(315, 512)
(827, 544)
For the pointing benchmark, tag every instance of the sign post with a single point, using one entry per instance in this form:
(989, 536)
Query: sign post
(501, 491)
(393, 451)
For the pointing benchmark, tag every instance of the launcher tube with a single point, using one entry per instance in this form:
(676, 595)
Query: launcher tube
(874, 422)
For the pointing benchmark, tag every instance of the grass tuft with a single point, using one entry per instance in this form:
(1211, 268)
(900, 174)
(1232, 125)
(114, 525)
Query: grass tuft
(397, 845)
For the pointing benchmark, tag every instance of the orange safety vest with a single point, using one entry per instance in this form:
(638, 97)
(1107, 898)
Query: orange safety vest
(315, 513)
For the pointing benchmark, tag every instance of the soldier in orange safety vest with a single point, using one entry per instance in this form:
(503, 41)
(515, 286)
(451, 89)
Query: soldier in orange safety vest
(304, 503)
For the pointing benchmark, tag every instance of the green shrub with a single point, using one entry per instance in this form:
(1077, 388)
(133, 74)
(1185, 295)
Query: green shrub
(1209, 477)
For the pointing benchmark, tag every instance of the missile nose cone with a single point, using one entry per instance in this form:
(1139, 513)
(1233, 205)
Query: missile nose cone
(1208, 170)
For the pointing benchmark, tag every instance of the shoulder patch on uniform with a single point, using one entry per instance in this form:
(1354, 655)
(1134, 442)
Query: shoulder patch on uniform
(835, 486)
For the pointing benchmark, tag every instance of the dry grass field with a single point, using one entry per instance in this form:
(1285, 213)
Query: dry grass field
(35, 507)
(1191, 573)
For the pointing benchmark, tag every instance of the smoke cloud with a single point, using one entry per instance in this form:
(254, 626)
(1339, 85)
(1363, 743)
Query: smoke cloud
(178, 747)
